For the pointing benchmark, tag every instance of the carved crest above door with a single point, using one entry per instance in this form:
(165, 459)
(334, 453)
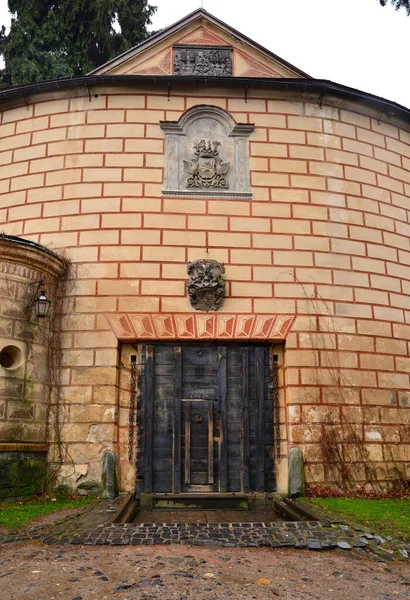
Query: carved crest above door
(206, 287)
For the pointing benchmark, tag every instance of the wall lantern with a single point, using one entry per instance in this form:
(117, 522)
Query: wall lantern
(41, 303)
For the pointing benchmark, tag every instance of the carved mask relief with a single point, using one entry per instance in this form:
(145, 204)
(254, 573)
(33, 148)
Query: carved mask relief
(206, 154)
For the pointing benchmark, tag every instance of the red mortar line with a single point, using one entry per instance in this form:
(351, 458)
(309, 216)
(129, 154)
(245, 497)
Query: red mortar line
(252, 112)
(341, 120)
(154, 229)
(321, 161)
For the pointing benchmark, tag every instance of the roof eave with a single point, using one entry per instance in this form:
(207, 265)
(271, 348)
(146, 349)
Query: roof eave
(319, 86)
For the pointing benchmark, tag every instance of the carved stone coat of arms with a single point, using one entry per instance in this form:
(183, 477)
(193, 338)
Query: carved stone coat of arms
(206, 169)
(206, 288)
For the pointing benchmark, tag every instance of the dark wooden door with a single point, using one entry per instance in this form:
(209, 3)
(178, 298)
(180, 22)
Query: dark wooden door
(205, 419)
(197, 445)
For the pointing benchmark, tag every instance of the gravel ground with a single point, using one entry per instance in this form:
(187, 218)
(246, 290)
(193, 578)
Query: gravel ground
(39, 572)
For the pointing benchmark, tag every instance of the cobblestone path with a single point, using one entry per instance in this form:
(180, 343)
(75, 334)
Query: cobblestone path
(93, 526)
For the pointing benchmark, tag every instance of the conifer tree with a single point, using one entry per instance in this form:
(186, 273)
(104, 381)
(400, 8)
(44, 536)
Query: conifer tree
(49, 39)
(398, 4)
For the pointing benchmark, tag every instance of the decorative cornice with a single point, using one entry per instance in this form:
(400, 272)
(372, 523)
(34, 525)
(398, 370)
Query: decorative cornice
(23, 447)
(218, 194)
(29, 255)
(137, 326)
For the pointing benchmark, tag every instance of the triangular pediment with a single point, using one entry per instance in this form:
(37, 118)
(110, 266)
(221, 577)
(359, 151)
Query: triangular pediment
(203, 32)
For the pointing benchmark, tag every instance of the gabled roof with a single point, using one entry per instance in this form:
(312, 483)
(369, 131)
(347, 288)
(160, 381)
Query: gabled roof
(154, 56)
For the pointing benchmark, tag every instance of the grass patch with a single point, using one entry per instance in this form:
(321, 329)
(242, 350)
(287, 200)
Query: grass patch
(14, 515)
(385, 516)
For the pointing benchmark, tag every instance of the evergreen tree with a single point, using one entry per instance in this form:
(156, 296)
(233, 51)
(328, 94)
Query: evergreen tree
(49, 39)
(398, 4)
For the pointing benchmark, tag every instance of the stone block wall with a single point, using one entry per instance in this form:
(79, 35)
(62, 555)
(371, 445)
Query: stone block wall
(26, 349)
(25, 377)
(325, 239)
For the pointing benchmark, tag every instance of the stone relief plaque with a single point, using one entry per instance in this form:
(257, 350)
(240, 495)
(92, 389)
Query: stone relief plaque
(203, 61)
(206, 169)
(206, 154)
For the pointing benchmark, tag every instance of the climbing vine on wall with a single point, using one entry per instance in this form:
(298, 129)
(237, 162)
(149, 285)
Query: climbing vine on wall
(49, 334)
(350, 466)
(56, 406)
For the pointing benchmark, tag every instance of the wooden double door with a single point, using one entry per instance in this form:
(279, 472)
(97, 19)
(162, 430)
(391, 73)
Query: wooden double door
(205, 419)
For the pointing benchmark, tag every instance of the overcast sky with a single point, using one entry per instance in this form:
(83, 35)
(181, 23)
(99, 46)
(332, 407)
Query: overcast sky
(354, 42)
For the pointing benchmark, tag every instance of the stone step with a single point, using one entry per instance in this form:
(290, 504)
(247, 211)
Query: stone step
(200, 501)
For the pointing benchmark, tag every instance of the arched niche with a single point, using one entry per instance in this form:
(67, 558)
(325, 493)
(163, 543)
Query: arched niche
(24, 340)
(206, 154)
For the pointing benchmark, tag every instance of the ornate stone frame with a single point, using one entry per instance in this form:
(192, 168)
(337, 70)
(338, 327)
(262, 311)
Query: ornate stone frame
(206, 122)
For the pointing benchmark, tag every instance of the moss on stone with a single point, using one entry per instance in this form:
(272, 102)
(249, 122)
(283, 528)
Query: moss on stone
(21, 476)
(63, 491)
(89, 488)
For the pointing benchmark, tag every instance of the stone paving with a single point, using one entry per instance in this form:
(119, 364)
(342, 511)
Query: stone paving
(94, 526)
